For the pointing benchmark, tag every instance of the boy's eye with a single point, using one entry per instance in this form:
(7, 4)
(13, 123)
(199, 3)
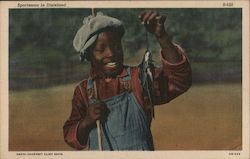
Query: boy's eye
(100, 48)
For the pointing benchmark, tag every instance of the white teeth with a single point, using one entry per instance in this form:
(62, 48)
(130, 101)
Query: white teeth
(111, 64)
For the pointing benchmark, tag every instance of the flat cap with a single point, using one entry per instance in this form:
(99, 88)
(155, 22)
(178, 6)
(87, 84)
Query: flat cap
(92, 26)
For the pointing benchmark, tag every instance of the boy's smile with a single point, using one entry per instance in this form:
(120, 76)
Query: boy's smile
(107, 54)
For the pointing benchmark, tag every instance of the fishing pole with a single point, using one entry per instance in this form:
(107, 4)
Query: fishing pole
(98, 123)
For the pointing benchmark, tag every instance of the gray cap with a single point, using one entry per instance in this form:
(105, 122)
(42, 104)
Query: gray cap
(92, 26)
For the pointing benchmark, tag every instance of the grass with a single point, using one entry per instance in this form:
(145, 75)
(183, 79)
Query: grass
(207, 117)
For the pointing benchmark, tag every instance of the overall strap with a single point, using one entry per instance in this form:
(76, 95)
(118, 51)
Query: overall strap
(128, 77)
(89, 83)
(90, 88)
(126, 81)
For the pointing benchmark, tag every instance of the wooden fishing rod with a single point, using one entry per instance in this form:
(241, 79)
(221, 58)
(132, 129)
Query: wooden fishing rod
(98, 123)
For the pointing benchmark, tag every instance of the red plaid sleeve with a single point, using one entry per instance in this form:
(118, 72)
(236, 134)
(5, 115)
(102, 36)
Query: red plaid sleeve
(77, 114)
(171, 80)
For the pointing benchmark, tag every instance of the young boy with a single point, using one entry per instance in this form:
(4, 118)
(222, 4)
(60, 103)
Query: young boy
(113, 93)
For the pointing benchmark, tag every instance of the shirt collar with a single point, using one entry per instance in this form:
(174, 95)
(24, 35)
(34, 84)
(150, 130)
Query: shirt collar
(123, 73)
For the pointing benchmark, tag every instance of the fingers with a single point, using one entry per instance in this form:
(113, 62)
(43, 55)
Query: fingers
(153, 22)
(142, 15)
(161, 20)
(148, 17)
(97, 111)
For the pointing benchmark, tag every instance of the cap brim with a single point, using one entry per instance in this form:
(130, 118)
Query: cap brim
(89, 43)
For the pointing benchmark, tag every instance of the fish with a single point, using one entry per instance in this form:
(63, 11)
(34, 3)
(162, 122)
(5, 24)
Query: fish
(146, 75)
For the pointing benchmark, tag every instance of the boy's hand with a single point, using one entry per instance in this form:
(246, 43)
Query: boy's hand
(96, 111)
(153, 22)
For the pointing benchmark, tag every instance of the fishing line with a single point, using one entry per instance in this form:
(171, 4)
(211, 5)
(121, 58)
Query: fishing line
(147, 42)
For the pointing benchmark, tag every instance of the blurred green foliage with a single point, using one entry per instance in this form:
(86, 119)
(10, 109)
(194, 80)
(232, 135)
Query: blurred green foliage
(41, 52)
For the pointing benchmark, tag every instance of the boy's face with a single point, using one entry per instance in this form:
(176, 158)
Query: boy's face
(107, 54)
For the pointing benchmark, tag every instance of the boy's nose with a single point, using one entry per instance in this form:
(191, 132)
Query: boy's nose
(109, 52)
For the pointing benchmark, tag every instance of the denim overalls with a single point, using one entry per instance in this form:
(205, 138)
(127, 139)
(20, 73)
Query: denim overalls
(126, 126)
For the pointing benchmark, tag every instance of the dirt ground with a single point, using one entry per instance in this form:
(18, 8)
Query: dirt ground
(207, 117)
